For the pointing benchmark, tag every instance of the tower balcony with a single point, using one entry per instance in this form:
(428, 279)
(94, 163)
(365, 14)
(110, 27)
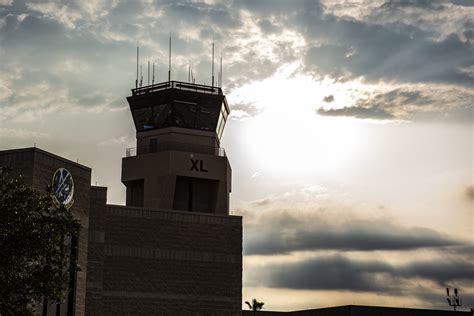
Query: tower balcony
(166, 146)
(179, 85)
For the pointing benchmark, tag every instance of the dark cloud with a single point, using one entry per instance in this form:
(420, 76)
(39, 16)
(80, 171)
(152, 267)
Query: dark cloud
(466, 3)
(424, 4)
(285, 232)
(199, 14)
(278, 7)
(329, 273)
(469, 192)
(350, 48)
(410, 105)
(339, 272)
(268, 27)
(328, 98)
(441, 272)
(358, 112)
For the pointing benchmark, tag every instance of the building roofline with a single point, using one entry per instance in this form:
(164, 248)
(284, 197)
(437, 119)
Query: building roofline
(44, 152)
(365, 306)
(145, 209)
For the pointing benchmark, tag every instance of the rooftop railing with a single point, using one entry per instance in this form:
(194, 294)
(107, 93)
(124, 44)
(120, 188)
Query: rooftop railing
(177, 85)
(199, 149)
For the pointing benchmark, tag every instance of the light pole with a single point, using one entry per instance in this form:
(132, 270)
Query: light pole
(453, 300)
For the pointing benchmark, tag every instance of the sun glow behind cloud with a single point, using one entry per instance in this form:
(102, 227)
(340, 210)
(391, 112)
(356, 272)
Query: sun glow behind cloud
(288, 136)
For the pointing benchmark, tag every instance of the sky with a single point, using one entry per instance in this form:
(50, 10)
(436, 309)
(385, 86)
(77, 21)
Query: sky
(350, 137)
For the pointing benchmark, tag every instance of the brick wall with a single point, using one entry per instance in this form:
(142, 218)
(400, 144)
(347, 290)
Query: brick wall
(158, 262)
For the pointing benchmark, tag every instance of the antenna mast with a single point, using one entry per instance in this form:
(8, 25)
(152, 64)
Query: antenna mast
(141, 76)
(153, 80)
(148, 79)
(220, 74)
(136, 81)
(213, 63)
(169, 61)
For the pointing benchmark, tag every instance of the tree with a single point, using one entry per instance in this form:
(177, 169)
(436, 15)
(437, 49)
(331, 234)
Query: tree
(255, 306)
(34, 260)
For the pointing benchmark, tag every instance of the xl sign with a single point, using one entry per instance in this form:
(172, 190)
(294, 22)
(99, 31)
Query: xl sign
(197, 165)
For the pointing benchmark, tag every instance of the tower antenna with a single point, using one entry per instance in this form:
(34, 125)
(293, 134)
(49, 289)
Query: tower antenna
(141, 76)
(212, 63)
(189, 72)
(220, 74)
(148, 79)
(169, 61)
(136, 81)
(153, 80)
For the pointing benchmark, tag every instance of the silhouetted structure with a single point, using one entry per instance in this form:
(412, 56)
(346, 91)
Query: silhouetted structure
(355, 310)
(174, 249)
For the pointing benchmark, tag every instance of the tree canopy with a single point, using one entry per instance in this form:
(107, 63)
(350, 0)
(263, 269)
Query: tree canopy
(34, 260)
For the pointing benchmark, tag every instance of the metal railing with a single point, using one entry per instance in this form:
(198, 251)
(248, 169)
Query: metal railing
(199, 149)
(177, 85)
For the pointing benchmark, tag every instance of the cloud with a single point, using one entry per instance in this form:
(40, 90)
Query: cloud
(466, 3)
(274, 232)
(117, 141)
(345, 49)
(358, 112)
(87, 49)
(268, 27)
(469, 192)
(409, 103)
(338, 272)
(328, 98)
(241, 111)
(201, 14)
(329, 273)
(21, 134)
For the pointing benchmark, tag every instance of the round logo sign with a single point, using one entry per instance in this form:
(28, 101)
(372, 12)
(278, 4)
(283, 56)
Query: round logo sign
(63, 188)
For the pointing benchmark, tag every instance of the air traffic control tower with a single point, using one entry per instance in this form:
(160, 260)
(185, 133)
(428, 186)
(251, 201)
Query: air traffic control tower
(173, 249)
(178, 163)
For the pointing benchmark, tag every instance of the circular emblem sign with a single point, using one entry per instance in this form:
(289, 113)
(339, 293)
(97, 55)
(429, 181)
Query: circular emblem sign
(63, 188)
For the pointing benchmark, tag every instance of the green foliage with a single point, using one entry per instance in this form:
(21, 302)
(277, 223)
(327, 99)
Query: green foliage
(255, 305)
(33, 252)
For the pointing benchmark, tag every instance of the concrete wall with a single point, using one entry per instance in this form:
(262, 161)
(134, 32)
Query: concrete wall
(154, 262)
(159, 171)
(178, 135)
